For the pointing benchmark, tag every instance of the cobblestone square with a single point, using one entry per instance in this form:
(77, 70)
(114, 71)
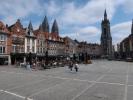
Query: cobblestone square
(101, 80)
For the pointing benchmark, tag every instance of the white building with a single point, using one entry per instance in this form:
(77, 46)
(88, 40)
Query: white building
(30, 44)
(30, 40)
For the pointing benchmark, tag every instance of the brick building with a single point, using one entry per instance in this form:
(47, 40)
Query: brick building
(18, 41)
(71, 47)
(49, 42)
(56, 45)
(5, 44)
(23, 44)
(42, 34)
(89, 50)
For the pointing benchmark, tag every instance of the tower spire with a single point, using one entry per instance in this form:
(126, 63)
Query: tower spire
(45, 25)
(105, 14)
(55, 27)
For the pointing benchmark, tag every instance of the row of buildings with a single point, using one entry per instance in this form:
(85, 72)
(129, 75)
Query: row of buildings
(17, 42)
(125, 48)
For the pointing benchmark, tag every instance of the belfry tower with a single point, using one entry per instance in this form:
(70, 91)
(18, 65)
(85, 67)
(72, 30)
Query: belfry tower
(106, 39)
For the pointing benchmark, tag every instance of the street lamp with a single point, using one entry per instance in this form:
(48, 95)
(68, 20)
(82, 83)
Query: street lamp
(30, 58)
(46, 57)
(74, 57)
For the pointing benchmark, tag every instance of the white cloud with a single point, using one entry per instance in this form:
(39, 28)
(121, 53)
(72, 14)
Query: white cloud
(90, 13)
(120, 31)
(88, 34)
(14, 9)
(90, 31)
(128, 6)
(71, 18)
(51, 8)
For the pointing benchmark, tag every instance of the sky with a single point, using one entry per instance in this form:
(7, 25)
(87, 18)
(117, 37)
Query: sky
(78, 19)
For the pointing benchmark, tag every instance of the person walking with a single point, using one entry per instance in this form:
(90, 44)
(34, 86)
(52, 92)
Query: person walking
(76, 67)
(71, 65)
(28, 66)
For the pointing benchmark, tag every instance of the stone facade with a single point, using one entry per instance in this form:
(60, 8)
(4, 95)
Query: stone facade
(106, 39)
(91, 49)
(126, 46)
(71, 47)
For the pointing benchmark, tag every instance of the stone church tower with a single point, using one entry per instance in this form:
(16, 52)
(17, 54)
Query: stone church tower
(55, 28)
(45, 25)
(106, 39)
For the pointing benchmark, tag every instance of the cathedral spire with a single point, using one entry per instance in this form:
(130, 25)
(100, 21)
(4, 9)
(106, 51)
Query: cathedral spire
(40, 27)
(45, 25)
(55, 27)
(105, 15)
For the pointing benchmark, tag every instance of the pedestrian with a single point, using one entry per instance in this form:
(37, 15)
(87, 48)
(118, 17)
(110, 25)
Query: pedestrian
(76, 67)
(28, 66)
(71, 65)
(35, 66)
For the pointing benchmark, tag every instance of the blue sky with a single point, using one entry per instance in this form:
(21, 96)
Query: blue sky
(79, 19)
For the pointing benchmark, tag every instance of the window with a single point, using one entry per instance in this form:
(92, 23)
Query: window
(2, 49)
(13, 48)
(33, 49)
(28, 48)
(28, 41)
(41, 43)
(38, 42)
(38, 50)
(43, 50)
(21, 49)
(33, 42)
(2, 37)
